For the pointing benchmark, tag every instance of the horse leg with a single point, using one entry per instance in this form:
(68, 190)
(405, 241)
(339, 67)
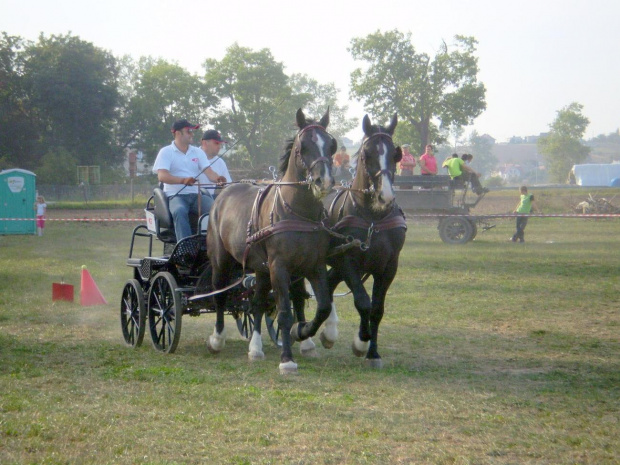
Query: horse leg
(363, 306)
(329, 335)
(259, 304)
(217, 341)
(280, 282)
(298, 298)
(379, 290)
(302, 331)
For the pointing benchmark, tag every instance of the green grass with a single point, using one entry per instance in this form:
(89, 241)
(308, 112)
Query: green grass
(495, 353)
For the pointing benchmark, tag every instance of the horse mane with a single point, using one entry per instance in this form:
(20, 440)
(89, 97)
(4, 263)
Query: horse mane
(288, 146)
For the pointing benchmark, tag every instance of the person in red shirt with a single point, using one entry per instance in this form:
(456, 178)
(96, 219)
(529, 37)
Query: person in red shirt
(407, 163)
(341, 162)
(428, 162)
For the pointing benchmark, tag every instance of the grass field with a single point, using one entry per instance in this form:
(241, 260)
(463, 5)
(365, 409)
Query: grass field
(495, 353)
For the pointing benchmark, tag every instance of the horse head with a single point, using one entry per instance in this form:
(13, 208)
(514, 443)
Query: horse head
(376, 163)
(311, 151)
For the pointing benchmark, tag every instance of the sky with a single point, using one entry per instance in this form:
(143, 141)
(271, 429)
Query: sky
(535, 56)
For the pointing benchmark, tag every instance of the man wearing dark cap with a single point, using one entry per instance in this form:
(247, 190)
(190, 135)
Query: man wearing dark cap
(177, 166)
(211, 144)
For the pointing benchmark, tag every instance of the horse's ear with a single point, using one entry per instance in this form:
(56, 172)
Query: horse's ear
(301, 119)
(325, 120)
(366, 125)
(398, 154)
(393, 123)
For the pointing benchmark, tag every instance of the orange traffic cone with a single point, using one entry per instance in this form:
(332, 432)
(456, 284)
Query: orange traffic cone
(89, 292)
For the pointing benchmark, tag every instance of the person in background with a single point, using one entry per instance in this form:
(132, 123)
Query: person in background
(178, 166)
(341, 161)
(407, 162)
(459, 171)
(428, 162)
(211, 144)
(525, 206)
(41, 207)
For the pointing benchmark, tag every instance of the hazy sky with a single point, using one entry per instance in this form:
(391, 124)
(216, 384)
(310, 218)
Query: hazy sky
(535, 57)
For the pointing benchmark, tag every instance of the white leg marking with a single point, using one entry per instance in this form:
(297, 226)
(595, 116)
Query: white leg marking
(256, 347)
(307, 348)
(360, 348)
(329, 335)
(216, 342)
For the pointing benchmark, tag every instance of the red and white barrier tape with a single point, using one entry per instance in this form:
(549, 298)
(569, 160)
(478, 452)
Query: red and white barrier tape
(77, 219)
(421, 215)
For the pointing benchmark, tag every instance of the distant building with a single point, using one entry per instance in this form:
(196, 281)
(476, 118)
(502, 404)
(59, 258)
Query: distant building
(488, 138)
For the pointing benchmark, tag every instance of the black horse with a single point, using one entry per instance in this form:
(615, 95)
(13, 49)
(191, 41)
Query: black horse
(278, 233)
(368, 212)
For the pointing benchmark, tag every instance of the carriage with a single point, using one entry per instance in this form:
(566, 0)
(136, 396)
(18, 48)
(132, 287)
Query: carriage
(449, 199)
(162, 284)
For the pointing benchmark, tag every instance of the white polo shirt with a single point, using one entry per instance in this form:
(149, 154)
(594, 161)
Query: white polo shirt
(180, 164)
(219, 166)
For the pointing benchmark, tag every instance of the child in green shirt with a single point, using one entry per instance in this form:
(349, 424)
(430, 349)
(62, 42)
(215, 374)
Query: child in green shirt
(526, 205)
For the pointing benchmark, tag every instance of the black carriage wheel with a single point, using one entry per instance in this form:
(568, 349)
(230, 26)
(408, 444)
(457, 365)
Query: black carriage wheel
(273, 329)
(245, 325)
(133, 313)
(455, 230)
(474, 229)
(164, 312)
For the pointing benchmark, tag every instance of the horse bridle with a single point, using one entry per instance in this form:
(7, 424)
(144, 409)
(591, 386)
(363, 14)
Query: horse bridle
(298, 149)
(378, 174)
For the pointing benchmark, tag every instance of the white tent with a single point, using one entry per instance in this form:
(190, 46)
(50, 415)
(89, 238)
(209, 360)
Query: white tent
(595, 174)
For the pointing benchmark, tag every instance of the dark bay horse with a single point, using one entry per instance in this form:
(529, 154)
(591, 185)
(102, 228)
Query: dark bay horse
(278, 233)
(368, 212)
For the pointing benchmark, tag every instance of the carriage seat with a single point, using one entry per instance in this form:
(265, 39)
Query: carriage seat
(160, 222)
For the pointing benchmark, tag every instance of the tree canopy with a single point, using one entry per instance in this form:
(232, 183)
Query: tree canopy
(417, 87)
(562, 147)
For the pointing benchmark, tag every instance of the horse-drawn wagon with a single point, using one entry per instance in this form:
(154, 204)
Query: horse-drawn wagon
(449, 200)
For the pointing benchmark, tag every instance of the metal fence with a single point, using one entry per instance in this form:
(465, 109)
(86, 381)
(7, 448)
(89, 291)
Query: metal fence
(93, 192)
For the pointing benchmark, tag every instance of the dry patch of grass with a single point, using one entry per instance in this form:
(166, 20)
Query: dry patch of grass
(495, 353)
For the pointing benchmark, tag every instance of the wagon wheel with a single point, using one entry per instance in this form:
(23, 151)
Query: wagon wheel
(164, 313)
(455, 230)
(245, 324)
(474, 229)
(274, 330)
(133, 313)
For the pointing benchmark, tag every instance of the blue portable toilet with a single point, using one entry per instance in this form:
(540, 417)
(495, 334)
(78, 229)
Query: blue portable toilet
(17, 197)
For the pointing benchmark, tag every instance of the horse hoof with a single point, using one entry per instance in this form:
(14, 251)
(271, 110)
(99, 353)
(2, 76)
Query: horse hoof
(308, 349)
(359, 347)
(374, 363)
(328, 344)
(212, 349)
(309, 353)
(256, 356)
(288, 368)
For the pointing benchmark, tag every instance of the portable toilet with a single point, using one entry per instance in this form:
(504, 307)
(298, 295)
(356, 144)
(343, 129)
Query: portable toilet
(17, 199)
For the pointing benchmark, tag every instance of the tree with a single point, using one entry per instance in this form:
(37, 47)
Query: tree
(418, 88)
(482, 150)
(17, 144)
(71, 88)
(156, 93)
(562, 147)
(316, 98)
(257, 107)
